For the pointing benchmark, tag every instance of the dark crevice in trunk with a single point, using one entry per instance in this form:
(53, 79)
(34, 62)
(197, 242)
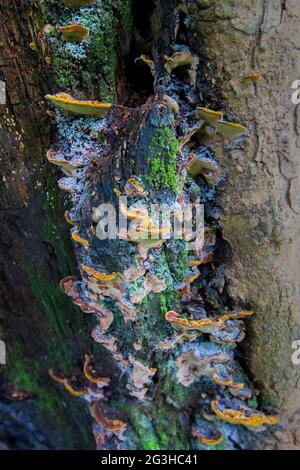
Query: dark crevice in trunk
(136, 75)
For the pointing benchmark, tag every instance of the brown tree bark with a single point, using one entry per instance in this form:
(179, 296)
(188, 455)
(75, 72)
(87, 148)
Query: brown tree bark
(259, 199)
(37, 321)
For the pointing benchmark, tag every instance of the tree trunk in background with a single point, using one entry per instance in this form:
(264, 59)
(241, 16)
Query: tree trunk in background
(257, 210)
(259, 199)
(38, 322)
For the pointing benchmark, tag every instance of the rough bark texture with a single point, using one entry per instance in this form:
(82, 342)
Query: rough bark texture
(37, 321)
(256, 219)
(259, 199)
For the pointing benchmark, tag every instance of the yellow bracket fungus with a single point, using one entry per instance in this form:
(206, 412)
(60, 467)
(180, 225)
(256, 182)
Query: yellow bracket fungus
(74, 32)
(210, 116)
(136, 213)
(147, 61)
(133, 188)
(180, 59)
(112, 425)
(71, 105)
(98, 275)
(69, 219)
(78, 239)
(91, 374)
(230, 130)
(211, 438)
(207, 168)
(69, 386)
(68, 167)
(245, 416)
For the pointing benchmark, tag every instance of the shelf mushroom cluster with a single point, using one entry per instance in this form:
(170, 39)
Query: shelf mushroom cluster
(201, 346)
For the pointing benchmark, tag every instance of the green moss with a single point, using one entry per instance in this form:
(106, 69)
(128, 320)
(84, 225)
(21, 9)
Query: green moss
(29, 375)
(161, 432)
(126, 15)
(162, 159)
(177, 258)
(103, 56)
(92, 68)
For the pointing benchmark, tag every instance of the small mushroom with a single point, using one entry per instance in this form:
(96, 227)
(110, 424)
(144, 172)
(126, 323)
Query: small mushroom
(133, 188)
(74, 32)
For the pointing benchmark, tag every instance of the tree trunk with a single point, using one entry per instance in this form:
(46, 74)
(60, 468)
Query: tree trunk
(168, 376)
(37, 322)
(260, 210)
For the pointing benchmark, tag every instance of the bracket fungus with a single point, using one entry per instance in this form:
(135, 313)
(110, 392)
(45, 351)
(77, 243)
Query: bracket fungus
(136, 213)
(69, 219)
(208, 435)
(210, 116)
(200, 349)
(198, 165)
(98, 275)
(181, 59)
(68, 167)
(111, 425)
(242, 414)
(223, 330)
(91, 373)
(200, 360)
(139, 377)
(74, 32)
(133, 188)
(87, 108)
(173, 105)
(230, 130)
(76, 237)
(71, 386)
(147, 61)
(109, 342)
(78, 3)
(68, 184)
